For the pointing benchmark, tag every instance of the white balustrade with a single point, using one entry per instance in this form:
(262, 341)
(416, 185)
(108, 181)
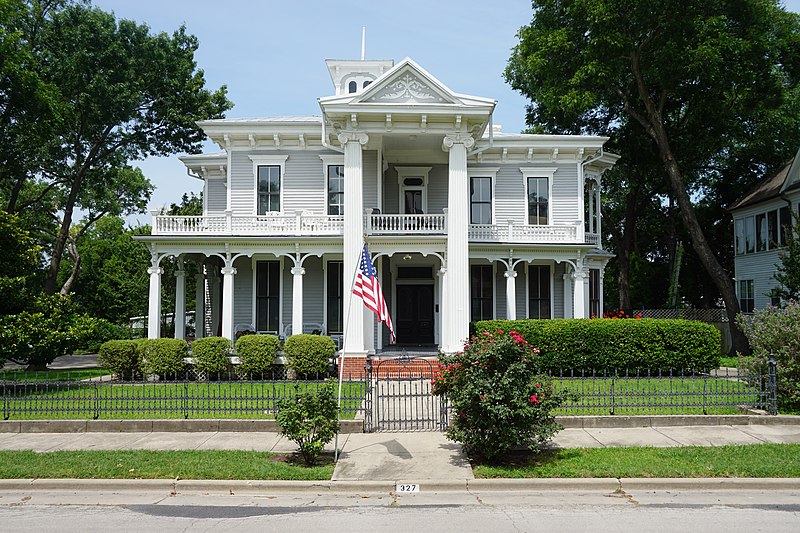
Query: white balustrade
(404, 224)
(522, 233)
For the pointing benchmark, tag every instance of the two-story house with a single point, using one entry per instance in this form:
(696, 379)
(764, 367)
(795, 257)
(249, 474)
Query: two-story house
(762, 221)
(464, 222)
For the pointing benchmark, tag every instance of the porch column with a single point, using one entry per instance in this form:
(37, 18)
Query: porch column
(154, 305)
(511, 293)
(297, 300)
(180, 301)
(352, 141)
(579, 293)
(199, 304)
(455, 312)
(567, 295)
(591, 207)
(600, 291)
(214, 295)
(227, 299)
(598, 225)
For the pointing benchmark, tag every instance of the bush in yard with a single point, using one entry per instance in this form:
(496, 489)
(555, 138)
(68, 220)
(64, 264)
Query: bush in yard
(104, 331)
(257, 353)
(121, 357)
(162, 357)
(309, 355)
(498, 401)
(776, 331)
(570, 345)
(211, 354)
(310, 419)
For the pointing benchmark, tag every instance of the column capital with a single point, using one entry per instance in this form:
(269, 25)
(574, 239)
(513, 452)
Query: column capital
(580, 274)
(298, 271)
(353, 136)
(510, 273)
(155, 270)
(180, 273)
(228, 271)
(457, 138)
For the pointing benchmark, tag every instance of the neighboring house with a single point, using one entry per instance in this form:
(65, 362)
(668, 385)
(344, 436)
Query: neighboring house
(464, 222)
(762, 221)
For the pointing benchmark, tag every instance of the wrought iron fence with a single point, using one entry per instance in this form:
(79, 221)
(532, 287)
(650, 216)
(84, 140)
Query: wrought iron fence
(63, 395)
(723, 391)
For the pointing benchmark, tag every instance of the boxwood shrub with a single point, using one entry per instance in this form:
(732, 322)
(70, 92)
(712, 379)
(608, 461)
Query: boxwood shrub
(163, 357)
(309, 355)
(211, 354)
(121, 357)
(568, 345)
(256, 353)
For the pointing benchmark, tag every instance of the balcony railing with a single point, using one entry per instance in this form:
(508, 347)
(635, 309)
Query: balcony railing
(374, 224)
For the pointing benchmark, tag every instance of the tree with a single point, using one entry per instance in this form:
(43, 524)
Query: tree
(788, 270)
(694, 76)
(18, 261)
(122, 94)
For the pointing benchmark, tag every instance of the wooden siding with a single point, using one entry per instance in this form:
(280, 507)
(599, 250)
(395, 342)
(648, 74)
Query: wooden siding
(242, 183)
(558, 270)
(438, 179)
(370, 181)
(759, 267)
(509, 196)
(564, 203)
(243, 292)
(500, 310)
(216, 196)
(303, 184)
(313, 291)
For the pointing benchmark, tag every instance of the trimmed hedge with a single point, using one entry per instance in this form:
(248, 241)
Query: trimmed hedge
(211, 354)
(120, 357)
(162, 356)
(309, 354)
(617, 345)
(257, 353)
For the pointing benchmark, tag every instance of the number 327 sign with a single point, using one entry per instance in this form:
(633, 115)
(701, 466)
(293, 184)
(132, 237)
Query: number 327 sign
(407, 487)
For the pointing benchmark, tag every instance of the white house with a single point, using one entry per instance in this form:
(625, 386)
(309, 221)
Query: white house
(762, 221)
(464, 222)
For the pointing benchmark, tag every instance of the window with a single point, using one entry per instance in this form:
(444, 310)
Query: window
(352, 87)
(267, 296)
(740, 240)
(594, 293)
(413, 183)
(481, 292)
(366, 84)
(334, 320)
(336, 189)
(785, 226)
(480, 200)
(761, 233)
(538, 200)
(746, 295)
(539, 291)
(269, 189)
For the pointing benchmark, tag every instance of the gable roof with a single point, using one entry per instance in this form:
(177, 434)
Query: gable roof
(786, 179)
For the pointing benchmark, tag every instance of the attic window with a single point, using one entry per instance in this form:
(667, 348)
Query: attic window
(413, 182)
(366, 83)
(352, 87)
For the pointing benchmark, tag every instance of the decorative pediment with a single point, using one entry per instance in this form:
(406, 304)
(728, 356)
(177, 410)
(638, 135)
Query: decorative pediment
(408, 84)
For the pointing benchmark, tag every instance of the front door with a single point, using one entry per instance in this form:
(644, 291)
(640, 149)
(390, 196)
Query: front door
(414, 314)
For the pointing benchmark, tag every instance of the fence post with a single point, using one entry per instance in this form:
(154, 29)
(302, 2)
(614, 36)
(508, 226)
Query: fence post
(772, 385)
(367, 396)
(185, 395)
(96, 402)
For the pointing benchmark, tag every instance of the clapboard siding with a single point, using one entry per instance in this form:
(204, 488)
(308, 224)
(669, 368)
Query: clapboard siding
(391, 191)
(313, 291)
(303, 184)
(500, 309)
(370, 178)
(437, 189)
(558, 290)
(509, 192)
(564, 203)
(242, 184)
(522, 290)
(243, 292)
(216, 196)
(760, 268)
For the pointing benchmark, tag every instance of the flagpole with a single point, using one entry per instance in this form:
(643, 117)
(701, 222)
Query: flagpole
(344, 344)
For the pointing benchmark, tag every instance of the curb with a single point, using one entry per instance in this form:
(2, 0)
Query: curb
(605, 485)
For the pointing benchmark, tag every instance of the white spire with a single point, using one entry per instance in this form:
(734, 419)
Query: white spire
(363, 42)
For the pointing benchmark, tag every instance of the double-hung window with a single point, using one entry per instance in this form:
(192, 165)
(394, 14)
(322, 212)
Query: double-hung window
(747, 297)
(334, 320)
(480, 200)
(539, 291)
(268, 171)
(335, 189)
(538, 201)
(268, 296)
(481, 292)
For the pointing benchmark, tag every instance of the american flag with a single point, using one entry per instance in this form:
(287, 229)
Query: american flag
(368, 288)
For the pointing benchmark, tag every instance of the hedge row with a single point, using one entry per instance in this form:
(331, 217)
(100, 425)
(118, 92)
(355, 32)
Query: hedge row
(617, 345)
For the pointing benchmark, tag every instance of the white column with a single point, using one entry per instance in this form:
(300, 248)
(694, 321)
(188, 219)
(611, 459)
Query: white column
(567, 295)
(199, 304)
(214, 294)
(455, 312)
(579, 293)
(600, 292)
(442, 273)
(598, 226)
(511, 293)
(353, 238)
(154, 306)
(297, 300)
(180, 301)
(591, 207)
(227, 300)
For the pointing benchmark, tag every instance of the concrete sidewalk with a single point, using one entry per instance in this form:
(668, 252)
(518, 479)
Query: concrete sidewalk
(400, 456)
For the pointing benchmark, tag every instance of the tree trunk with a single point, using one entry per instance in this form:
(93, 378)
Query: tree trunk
(76, 268)
(13, 197)
(63, 236)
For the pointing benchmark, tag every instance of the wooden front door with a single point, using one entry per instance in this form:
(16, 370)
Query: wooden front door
(414, 314)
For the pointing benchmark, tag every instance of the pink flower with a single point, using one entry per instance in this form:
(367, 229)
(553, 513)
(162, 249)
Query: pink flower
(534, 398)
(538, 386)
(500, 331)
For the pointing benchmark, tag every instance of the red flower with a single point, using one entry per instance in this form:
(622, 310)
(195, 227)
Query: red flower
(534, 398)
(538, 386)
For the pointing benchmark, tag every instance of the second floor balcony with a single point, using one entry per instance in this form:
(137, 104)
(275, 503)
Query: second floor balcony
(303, 224)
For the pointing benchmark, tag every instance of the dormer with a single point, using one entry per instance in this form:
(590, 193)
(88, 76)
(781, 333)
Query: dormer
(351, 76)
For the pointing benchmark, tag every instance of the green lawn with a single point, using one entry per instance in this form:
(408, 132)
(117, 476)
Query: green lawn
(730, 362)
(149, 464)
(760, 460)
(239, 399)
(52, 375)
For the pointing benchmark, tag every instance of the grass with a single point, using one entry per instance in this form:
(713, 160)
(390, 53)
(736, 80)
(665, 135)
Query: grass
(240, 399)
(756, 461)
(149, 464)
(731, 362)
(52, 375)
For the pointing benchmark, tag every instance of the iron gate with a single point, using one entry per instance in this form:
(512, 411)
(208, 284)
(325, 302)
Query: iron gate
(398, 396)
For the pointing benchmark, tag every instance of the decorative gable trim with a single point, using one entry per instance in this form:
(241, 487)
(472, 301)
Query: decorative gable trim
(407, 83)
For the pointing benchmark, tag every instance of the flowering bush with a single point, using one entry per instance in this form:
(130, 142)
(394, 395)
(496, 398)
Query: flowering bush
(776, 331)
(620, 313)
(498, 401)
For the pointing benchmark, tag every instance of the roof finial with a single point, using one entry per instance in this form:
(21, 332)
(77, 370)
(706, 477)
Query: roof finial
(363, 42)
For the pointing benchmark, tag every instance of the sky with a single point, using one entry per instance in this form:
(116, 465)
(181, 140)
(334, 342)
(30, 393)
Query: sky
(271, 54)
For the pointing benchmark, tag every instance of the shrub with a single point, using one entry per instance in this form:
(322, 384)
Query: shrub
(309, 354)
(617, 345)
(257, 353)
(776, 331)
(498, 400)
(310, 419)
(104, 331)
(120, 357)
(162, 356)
(211, 354)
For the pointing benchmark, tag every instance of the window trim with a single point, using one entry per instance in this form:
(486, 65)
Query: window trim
(537, 172)
(328, 260)
(752, 287)
(327, 161)
(254, 272)
(492, 280)
(264, 161)
(412, 172)
(527, 287)
(485, 172)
